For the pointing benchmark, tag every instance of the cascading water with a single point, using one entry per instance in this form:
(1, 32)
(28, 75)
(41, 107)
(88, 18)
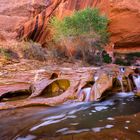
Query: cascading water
(129, 84)
(87, 90)
(120, 78)
(121, 83)
(96, 78)
(97, 91)
(84, 94)
(100, 118)
(96, 94)
(136, 79)
(122, 69)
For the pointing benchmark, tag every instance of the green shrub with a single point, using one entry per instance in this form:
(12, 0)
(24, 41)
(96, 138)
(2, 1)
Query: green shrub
(132, 55)
(106, 57)
(85, 22)
(6, 53)
(122, 62)
(127, 58)
(86, 30)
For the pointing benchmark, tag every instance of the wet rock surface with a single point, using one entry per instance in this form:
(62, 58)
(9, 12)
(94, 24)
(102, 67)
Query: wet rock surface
(55, 85)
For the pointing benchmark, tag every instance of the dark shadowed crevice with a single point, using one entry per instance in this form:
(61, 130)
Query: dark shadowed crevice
(17, 95)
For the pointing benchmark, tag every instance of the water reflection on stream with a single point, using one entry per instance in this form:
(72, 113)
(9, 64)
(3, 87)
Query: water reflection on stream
(68, 121)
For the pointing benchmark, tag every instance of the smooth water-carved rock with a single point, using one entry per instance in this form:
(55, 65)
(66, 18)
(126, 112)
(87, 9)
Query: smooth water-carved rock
(104, 82)
(81, 84)
(14, 89)
(50, 88)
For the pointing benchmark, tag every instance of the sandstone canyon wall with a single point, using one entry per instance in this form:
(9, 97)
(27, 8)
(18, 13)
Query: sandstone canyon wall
(26, 19)
(14, 13)
(36, 29)
(125, 25)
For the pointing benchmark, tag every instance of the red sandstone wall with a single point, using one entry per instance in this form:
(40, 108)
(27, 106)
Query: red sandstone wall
(36, 29)
(124, 18)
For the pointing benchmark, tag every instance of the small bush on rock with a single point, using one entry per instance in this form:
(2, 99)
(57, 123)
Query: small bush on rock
(14, 51)
(34, 51)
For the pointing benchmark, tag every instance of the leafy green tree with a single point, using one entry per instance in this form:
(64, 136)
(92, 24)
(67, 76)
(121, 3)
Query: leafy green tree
(84, 25)
(81, 23)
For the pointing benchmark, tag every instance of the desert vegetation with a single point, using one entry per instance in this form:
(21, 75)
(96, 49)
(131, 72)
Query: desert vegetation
(14, 51)
(83, 34)
(65, 73)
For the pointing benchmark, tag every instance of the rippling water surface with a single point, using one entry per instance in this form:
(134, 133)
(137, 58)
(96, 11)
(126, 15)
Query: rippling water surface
(97, 120)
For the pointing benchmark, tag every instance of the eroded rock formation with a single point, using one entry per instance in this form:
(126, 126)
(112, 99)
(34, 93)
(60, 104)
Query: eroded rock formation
(55, 86)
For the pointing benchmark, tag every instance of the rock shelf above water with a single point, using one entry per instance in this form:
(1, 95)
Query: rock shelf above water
(53, 86)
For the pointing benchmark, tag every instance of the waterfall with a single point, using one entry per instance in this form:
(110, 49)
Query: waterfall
(121, 82)
(136, 79)
(87, 93)
(84, 94)
(96, 90)
(120, 78)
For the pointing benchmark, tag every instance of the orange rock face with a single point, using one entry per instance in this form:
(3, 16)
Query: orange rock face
(15, 13)
(12, 14)
(36, 29)
(31, 19)
(125, 25)
(69, 6)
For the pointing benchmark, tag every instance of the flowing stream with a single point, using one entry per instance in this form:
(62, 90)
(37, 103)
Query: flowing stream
(118, 112)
